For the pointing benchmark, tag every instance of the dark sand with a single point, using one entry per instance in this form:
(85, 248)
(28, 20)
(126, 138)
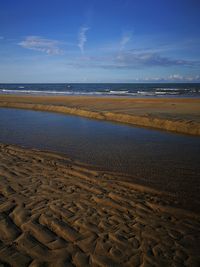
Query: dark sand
(173, 114)
(57, 212)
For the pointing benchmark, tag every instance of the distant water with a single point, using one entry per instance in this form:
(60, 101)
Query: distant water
(106, 89)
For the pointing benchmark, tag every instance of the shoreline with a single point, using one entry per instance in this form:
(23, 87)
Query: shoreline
(175, 115)
(58, 212)
(121, 178)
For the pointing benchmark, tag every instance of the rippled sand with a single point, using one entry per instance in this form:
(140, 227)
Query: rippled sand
(57, 212)
(173, 114)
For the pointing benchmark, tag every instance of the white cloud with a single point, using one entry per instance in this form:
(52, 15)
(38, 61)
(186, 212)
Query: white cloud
(37, 43)
(125, 39)
(181, 78)
(82, 38)
(176, 77)
(173, 78)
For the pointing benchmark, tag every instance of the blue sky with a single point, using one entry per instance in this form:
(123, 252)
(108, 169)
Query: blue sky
(99, 41)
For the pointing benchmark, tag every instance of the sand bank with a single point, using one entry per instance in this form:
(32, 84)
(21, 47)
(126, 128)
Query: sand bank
(173, 114)
(58, 212)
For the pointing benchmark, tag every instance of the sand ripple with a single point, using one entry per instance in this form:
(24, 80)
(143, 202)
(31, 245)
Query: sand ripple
(56, 212)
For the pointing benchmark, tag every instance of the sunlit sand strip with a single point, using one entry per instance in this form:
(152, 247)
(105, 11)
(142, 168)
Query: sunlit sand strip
(179, 115)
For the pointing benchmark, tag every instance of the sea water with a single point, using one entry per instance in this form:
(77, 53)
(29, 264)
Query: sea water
(106, 89)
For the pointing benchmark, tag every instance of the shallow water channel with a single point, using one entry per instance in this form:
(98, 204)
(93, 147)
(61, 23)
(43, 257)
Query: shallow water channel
(160, 159)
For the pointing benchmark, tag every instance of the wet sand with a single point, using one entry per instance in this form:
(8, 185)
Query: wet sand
(55, 211)
(58, 212)
(173, 114)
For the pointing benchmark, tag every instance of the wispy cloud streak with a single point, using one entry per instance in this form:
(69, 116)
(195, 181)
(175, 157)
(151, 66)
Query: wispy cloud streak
(131, 59)
(134, 60)
(125, 39)
(37, 43)
(82, 38)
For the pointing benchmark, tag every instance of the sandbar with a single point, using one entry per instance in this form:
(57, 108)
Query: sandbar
(181, 115)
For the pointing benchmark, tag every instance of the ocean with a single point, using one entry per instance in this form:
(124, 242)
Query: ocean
(105, 89)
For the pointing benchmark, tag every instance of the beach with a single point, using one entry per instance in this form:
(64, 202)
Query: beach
(57, 211)
(99, 133)
(179, 115)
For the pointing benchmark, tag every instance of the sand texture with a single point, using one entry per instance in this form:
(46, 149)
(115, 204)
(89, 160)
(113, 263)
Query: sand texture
(56, 212)
(172, 114)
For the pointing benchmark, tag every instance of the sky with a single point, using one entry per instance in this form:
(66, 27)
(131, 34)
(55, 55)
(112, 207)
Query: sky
(47, 41)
